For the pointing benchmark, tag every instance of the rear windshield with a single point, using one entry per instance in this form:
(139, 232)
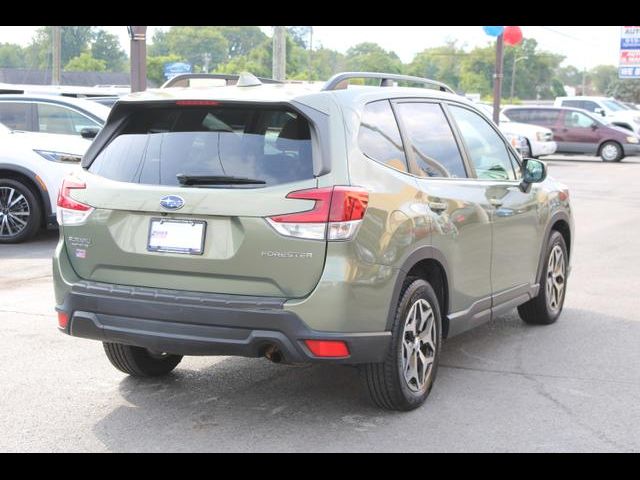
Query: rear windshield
(158, 144)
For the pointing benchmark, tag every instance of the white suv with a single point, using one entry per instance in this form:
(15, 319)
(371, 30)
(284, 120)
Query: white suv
(613, 111)
(43, 139)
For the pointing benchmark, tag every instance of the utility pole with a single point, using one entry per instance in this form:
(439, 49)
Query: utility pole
(56, 55)
(138, 37)
(584, 80)
(497, 79)
(279, 54)
(310, 53)
(513, 74)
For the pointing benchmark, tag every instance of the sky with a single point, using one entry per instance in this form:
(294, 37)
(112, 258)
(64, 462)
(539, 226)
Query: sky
(584, 47)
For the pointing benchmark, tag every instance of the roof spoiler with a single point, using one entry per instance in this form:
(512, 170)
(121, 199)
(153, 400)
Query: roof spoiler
(184, 79)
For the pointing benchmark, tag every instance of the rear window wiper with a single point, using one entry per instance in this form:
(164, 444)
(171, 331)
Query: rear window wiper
(190, 180)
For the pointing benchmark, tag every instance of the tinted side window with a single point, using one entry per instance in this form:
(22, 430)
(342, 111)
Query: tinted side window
(546, 117)
(572, 103)
(577, 120)
(14, 115)
(590, 106)
(379, 136)
(56, 119)
(518, 115)
(434, 146)
(487, 150)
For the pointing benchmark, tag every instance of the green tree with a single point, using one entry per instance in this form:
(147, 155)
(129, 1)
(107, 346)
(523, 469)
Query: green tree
(300, 35)
(627, 90)
(439, 63)
(12, 56)
(158, 46)
(155, 67)
(198, 45)
(74, 41)
(85, 63)
(369, 56)
(602, 77)
(257, 61)
(242, 39)
(106, 47)
(569, 75)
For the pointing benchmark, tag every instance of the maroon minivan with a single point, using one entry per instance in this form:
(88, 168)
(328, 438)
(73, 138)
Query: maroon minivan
(578, 131)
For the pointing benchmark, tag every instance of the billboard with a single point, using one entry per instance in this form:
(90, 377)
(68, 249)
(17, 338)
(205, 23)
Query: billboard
(176, 68)
(629, 63)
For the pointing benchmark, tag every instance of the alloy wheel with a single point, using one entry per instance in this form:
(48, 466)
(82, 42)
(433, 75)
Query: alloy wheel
(556, 275)
(418, 345)
(14, 212)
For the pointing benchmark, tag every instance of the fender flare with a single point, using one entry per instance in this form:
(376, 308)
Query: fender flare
(411, 259)
(44, 195)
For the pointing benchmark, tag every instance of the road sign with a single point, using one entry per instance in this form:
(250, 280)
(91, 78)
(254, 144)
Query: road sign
(629, 64)
(176, 68)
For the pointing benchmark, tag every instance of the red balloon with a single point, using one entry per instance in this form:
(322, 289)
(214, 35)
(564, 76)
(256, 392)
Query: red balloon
(512, 35)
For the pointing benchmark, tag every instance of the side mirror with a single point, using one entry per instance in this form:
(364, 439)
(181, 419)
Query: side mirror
(533, 171)
(594, 126)
(600, 111)
(89, 132)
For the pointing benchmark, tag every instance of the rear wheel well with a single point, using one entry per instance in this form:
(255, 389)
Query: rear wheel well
(13, 175)
(433, 272)
(563, 228)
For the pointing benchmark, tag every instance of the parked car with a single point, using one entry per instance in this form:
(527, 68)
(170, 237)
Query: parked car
(609, 109)
(333, 224)
(539, 139)
(520, 143)
(578, 131)
(32, 167)
(52, 114)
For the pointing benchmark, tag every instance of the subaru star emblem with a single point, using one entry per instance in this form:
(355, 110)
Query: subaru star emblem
(172, 202)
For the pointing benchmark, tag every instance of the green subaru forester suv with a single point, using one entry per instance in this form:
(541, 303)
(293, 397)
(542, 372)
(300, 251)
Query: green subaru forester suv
(341, 223)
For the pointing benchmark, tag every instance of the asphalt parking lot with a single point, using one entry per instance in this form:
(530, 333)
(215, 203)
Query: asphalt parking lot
(506, 386)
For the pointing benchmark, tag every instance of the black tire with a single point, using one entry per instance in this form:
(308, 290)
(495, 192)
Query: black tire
(140, 362)
(34, 220)
(385, 382)
(614, 157)
(538, 311)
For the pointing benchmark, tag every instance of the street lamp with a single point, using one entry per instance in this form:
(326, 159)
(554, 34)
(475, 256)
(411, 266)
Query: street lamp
(513, 74)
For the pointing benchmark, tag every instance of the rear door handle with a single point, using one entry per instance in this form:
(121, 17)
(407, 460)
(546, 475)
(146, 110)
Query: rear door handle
(438, 207)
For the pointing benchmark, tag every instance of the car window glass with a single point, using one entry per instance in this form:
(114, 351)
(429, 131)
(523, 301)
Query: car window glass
(487, 150)
(588, 105)
(613, 106)
(379, 136)
(577, 120)
(57, 119)
(572, 103)
(435, 149)
(157, 144)
(14, 115)
(515, 165)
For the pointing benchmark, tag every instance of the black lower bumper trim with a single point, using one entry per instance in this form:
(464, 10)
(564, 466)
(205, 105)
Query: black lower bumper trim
(173, 322)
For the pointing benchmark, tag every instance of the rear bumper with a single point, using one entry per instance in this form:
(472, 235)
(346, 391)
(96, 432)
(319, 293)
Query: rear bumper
(189, 323)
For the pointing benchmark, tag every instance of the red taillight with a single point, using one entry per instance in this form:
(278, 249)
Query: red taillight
(318, 214)
(336, 215)
(63, 320)
(333, 204)
(327, 348)
(348, 204)
(196, 103)
(64, 197)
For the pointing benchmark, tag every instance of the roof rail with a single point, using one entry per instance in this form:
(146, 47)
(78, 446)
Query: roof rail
(340, 80)
(182, 80)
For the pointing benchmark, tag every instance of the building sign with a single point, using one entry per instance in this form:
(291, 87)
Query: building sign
(176, 68)
(629, 64)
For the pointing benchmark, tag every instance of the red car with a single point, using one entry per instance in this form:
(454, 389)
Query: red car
(578, 131)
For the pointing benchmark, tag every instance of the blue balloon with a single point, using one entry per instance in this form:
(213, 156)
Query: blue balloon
(493, 31)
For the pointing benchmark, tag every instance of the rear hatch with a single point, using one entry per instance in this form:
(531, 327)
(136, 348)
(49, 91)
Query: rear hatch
(181, 195)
